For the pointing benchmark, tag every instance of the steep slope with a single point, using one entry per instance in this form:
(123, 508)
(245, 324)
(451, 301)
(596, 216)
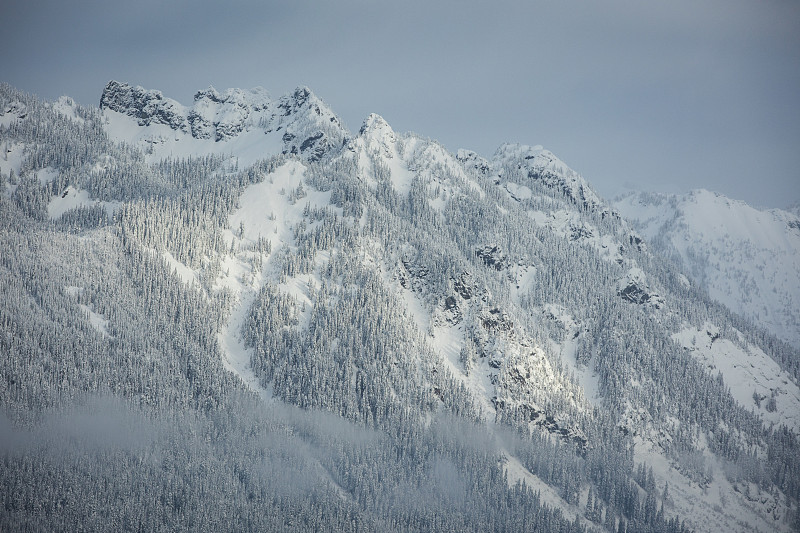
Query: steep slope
(746, 258)
(465, 323)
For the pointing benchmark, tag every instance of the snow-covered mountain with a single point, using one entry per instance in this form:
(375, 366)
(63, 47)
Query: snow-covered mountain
(406, 338)
(244, 124)
(747, 258)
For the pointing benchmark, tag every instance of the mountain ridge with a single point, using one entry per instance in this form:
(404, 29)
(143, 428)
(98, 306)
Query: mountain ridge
(383, 280)
(298, 121)
(745, 257)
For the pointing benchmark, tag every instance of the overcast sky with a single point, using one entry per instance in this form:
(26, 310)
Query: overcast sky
(664, 96)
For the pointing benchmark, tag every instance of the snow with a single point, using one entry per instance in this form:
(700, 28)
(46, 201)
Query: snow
(608, 248)
(251, 221)
(415, 307)
(236, 357)
(518, 192)
(73, 197)
(12, 113)
(97, 321)
(246, 126)
(408, 157)
(12, 157)
(447, 340)
(555, 172)
(299, 288)
(225, 112)
(186, 274)
(587, 378)
(159, 141)
(265, 211)
(66, 106)
(523, 278)
(716, 508)
(47, 175)
(378, 135)
(69, 199)
(748, 259)
(379, 140)
(438, 168)
(515, 472)
(73, 291)
(634, 276)
(649, 212)
(746, 370)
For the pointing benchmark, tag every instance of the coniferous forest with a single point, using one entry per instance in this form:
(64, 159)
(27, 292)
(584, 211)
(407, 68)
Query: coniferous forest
(354, 332)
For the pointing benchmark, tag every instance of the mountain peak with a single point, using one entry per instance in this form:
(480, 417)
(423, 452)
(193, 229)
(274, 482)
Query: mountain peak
(544, 167)
(301, 97)
(376, 134)
(211, 93)
(533, 157)
(472, 159)
(256, 98)
(376, 127)
(146, 105)
(302, 93)
(509, 151)
(299, 122)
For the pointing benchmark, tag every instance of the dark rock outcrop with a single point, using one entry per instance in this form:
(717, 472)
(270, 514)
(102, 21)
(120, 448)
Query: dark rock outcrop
(147, 106)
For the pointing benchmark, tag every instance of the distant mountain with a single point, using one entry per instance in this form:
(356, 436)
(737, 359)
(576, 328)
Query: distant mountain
(748, 259)
(240, 315)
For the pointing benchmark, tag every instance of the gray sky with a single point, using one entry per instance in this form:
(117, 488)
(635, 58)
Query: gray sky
(691, 93)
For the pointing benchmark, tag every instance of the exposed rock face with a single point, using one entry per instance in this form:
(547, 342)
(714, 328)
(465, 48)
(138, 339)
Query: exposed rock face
(312, 130)
(305, 124)
(496, 320)
(412, 276)
(468, 158)
(635, 289)
(296, 101)
(451, 311)
(634, 294)
(213, 116)
(224, 116)
(464, 286)
(494, 257)
(147, 106)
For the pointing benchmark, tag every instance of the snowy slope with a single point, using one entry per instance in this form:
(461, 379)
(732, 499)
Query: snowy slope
(755, 380)
(748, 259)
(72, 198)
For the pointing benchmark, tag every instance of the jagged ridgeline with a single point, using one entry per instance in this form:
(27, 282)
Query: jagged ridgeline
(240, 315)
